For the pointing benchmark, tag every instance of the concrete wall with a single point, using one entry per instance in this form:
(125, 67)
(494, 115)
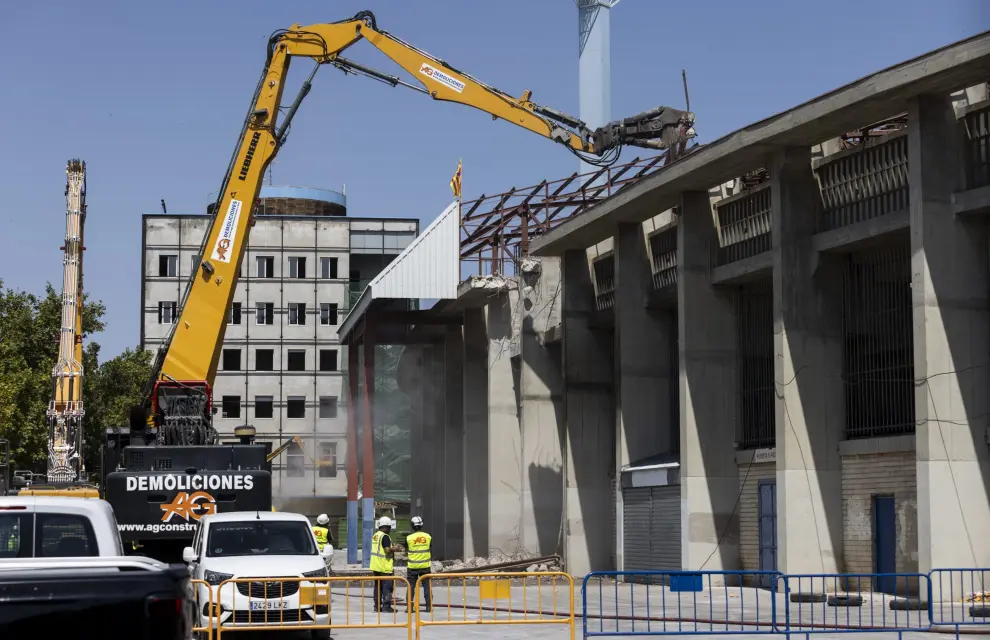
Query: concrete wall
(864, 476)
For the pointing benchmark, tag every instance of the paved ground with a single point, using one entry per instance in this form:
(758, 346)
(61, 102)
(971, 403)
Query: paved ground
(460, 612)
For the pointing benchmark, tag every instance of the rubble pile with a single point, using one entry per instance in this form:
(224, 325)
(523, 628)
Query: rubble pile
(483, 562)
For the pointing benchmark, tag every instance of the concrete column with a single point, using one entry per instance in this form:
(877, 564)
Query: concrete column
(590, 415)
(951, 346)
(433, 442)
(807, 304)
(642, 363)
(707, 356)
(540, 508)
(475, 466)
(507, 474)
(453, 435)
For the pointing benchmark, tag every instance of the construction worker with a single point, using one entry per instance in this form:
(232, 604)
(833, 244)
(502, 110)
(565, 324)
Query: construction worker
(419, 562)
(321, 531)
(382, 564)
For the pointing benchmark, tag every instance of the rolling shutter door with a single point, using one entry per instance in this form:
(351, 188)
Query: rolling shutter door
(665, 528)
(636, 508)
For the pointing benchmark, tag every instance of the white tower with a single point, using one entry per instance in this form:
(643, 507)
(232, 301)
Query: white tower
(594, 64)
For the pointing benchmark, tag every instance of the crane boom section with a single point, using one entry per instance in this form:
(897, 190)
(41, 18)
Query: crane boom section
(194, 346)
(65, 410)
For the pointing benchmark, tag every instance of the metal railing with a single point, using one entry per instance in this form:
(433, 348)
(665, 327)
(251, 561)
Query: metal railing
(652, 603)
(546, 598)
(977, 148)
(304, 604)
(743, 227)
(203, 609)
(851, 603)
(677, 603)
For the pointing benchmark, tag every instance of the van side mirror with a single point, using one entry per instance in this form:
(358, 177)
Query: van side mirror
(189, 555)
(327, 551)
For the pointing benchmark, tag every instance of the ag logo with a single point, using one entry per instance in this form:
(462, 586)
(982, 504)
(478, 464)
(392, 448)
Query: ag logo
(189, 507)
(222, 246)
(419, 540)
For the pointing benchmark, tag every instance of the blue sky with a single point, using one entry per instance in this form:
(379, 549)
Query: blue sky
(151, 96)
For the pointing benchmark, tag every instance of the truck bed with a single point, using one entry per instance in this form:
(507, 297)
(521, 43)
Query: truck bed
(97, 598)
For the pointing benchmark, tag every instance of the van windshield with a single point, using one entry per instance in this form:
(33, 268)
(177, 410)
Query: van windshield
(260, 537)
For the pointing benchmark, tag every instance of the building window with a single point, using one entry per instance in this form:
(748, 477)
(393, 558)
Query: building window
(231, 407)
(235, 313)
(193, 264)
(328, 406)
(266, 266)
(168, 266)
(296, 360)
(328, 268)
(263, 407)
(264, 360)
(266, 313)
(166, 312)
(297, 313)
(297, 267)
(295, 459)
(295, 407)
(328, 359)
(231, 359)
(328, 460)
(328, 313)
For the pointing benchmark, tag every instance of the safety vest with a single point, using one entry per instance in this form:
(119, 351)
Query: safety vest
(321, 536)
(418, 546)
(379, 561)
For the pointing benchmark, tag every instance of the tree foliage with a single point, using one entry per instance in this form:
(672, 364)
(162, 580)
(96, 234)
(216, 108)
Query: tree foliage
(29, 330)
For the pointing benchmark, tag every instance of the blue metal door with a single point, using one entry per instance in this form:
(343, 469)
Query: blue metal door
(767, 528)
(884, 543)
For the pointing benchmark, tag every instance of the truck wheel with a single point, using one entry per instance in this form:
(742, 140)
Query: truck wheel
(320, 634)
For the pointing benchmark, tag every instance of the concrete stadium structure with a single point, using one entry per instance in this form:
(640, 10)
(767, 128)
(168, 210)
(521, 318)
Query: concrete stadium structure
(773, 353)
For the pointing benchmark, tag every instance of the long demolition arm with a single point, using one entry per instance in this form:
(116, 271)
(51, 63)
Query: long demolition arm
(65, 411)
(194, 347)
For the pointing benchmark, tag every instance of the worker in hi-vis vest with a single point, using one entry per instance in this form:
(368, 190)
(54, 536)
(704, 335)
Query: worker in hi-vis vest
(321, 531)
(382, 564)
(418, 551)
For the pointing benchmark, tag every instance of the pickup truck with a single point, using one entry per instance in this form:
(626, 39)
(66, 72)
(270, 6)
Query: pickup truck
(56, 527)
(62, 568)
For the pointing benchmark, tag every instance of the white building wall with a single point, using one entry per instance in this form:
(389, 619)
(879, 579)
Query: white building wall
(280, 238)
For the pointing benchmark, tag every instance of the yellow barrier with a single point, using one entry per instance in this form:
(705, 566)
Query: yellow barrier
(537, 599)
(206, 633)
(283, 604)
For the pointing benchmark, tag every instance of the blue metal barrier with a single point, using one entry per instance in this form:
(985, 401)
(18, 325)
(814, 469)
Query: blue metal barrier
(854, 603)
(957, 597)
(679, 603)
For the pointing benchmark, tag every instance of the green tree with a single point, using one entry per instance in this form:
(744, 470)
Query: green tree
(29, 330)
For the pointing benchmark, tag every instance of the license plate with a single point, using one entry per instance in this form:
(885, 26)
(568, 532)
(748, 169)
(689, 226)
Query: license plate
(268, 605)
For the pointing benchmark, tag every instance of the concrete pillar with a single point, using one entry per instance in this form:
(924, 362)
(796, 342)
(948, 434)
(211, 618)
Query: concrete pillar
(590, 416)
(642, 363)
(453, 435)
(707, 356)
(475, 465)
(353, 371)
(507, 473)
(807, 304)
(540, 508)
(949, 287)
(433, 443)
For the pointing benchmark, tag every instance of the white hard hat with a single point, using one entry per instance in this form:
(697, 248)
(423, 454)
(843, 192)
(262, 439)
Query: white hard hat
(322, 519)
(417, 521)
(384, 521)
